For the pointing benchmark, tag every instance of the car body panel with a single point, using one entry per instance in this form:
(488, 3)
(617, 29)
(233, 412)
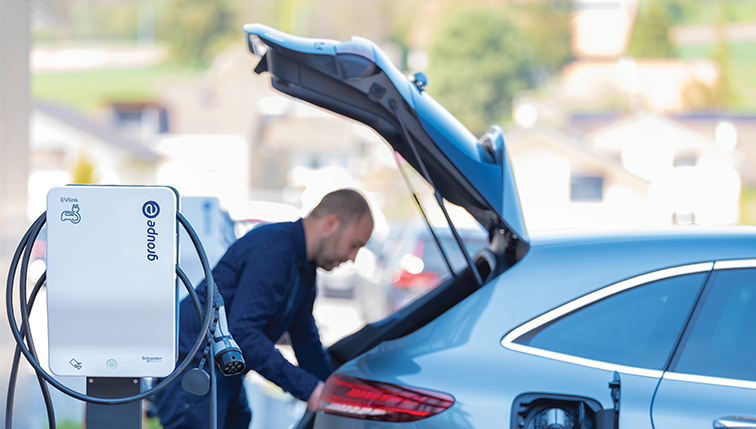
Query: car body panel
(695, 405)
(559, 268)
(325, 421)
(712, 376)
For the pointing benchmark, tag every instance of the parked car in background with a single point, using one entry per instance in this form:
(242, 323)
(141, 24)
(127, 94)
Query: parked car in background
(640, 329)
(414, 264)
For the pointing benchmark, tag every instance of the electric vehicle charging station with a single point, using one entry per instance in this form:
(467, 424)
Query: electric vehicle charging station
(111, 281)
(112, 299)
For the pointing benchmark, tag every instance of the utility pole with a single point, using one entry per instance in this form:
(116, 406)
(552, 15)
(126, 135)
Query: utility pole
(14, 151)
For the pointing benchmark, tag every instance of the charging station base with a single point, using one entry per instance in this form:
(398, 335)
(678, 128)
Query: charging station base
(125, 416)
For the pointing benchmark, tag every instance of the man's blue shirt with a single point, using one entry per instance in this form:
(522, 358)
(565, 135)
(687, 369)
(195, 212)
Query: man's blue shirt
(268, 288)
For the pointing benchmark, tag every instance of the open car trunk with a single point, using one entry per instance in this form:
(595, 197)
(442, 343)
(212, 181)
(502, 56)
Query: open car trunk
(356, 79)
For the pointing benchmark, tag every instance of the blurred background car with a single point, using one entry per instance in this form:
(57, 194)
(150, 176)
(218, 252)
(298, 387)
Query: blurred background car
(413, 263)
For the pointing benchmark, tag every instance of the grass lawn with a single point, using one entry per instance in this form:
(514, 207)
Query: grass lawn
(706, 12)
(89, 90)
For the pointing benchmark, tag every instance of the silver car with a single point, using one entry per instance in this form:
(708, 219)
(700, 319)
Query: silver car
(644, 329)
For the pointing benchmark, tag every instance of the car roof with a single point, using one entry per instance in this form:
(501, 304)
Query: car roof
(557, 237)
(561, 266)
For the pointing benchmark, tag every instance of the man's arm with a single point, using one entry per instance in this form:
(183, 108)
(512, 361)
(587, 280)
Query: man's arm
(305, 340)
(261, 292)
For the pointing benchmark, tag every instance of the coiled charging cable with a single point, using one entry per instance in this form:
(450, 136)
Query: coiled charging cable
(25, 343)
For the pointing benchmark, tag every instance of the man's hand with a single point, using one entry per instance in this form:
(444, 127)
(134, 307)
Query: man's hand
(314, 401)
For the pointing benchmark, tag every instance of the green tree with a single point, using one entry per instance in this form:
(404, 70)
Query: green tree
(722, 94)
(546, 26)
(726, 93)
(478, 60)
(650, 37)
(197, 30)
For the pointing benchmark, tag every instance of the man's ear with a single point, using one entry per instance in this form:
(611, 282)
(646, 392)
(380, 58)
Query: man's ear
(331, 224)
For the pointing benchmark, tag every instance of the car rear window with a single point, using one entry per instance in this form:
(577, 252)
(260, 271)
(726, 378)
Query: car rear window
(433, 260)
(637, 327)
(722, 342)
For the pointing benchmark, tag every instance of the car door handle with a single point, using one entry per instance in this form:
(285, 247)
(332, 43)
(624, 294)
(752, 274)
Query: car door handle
(733, 422)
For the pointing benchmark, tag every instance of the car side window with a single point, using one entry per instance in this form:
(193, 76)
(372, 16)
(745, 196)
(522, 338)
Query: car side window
(637, 327)
(722, 341)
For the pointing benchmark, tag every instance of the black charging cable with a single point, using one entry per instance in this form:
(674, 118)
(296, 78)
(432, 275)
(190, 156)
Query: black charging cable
(25, 343)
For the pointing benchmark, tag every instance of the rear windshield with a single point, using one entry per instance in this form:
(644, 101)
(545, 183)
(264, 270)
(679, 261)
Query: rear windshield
(434, 261)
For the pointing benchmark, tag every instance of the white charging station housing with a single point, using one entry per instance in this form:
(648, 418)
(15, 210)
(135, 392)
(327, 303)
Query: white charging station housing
(111, 281)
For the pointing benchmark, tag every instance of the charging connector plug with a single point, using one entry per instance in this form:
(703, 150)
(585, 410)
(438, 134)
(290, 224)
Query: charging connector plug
(228, 355)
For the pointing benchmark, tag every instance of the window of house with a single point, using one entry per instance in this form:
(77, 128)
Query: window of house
(587, 188)
(685, 159)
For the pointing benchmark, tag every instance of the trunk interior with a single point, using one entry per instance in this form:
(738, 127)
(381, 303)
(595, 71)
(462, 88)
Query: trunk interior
(420, 312)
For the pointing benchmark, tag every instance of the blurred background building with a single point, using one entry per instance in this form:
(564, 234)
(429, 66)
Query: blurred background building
(617, 113)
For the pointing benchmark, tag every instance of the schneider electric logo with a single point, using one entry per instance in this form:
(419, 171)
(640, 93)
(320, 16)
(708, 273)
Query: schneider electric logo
(151, 210)
(152, 359)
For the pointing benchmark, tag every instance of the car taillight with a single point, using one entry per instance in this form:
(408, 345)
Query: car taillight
(375, 400)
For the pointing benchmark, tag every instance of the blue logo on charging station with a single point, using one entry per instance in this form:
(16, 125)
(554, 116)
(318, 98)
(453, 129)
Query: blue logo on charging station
(151, 209)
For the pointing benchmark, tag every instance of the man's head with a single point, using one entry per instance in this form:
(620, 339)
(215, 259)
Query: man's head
(337, 228)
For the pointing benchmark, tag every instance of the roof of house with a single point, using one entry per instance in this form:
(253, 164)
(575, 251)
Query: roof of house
(102, 133)
(573, 147)
(624, 130)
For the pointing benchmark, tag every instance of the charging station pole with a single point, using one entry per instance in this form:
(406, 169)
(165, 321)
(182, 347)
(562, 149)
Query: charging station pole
(124, 416)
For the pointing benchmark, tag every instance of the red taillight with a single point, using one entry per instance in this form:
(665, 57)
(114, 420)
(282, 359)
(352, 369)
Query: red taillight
(424, 280)
(375, 400)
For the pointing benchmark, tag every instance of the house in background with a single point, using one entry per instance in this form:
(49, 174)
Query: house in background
(641, 169)
(565, 182)
(695, 178)
(61, 138)
(294, 153)
(660, 84)
(740, 128)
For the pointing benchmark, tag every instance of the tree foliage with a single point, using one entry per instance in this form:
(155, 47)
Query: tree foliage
(477, 63)
(650, 37)
(197, 30)
(481, 57)
(720, 95)
(546, 27)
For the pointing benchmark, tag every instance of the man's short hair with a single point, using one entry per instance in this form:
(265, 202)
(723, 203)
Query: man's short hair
(349, 205)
